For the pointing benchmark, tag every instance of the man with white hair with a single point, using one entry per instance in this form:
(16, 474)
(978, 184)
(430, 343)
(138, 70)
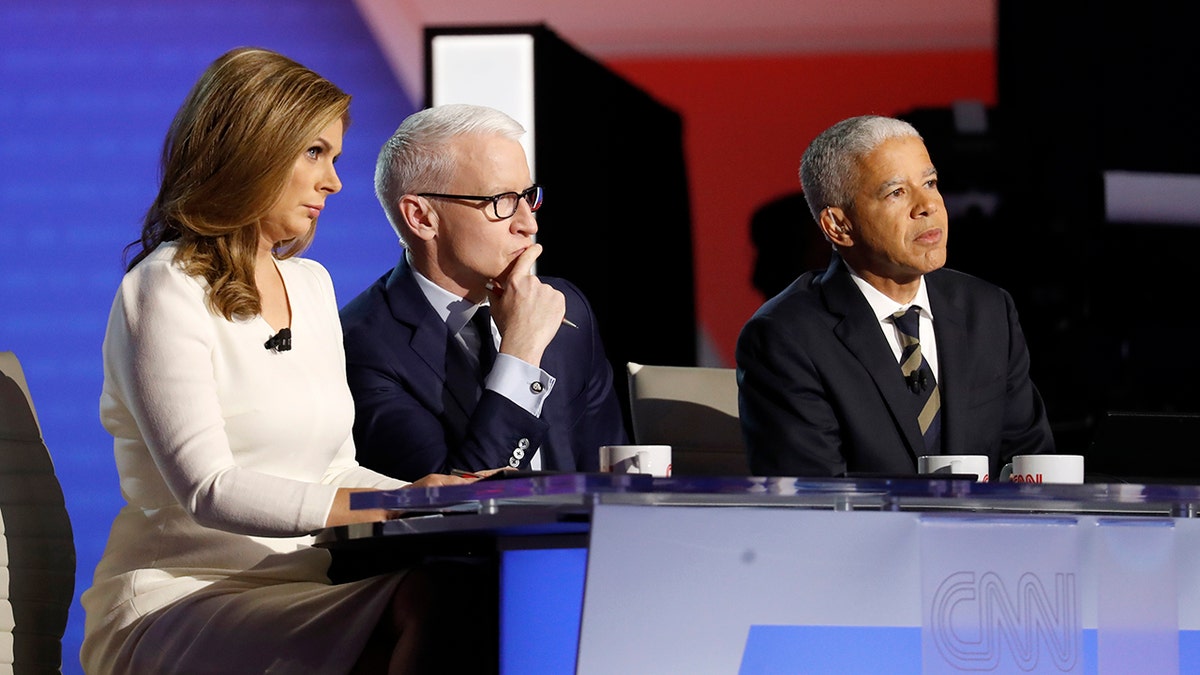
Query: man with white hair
(885, 356)
(436, 381)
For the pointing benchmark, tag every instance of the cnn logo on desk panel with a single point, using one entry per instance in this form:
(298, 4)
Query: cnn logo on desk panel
(980, 624)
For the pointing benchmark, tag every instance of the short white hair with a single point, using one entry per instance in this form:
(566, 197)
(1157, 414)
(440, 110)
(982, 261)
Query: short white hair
(417, 158)
(829, 171)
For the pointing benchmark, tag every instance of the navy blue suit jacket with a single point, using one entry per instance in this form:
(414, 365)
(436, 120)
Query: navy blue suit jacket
(409, 422)
(821, 393)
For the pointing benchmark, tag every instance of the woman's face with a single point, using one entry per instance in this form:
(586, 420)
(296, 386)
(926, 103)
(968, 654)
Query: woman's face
(313, 179)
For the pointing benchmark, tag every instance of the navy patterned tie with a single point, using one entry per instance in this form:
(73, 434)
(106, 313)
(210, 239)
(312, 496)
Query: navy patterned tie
(482, 319)
(919, 377)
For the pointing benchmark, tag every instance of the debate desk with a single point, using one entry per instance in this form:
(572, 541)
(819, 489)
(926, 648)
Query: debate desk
(603, 573)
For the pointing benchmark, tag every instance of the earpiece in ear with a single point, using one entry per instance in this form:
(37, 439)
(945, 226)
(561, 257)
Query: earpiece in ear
(837, 227)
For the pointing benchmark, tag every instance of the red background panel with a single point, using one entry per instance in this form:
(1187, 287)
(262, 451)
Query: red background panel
(746, 123)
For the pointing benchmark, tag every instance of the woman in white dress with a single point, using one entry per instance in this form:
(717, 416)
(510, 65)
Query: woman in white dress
(231, 440)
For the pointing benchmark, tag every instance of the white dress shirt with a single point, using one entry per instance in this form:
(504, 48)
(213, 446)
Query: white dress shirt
(884, 307)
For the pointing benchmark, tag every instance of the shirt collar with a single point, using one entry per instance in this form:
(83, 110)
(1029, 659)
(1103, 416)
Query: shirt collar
(455, 311)
(883, 306)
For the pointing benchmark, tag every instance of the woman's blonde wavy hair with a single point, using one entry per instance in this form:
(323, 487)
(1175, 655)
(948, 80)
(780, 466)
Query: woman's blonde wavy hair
(227, 157)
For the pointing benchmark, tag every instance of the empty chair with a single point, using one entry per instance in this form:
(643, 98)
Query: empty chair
(37, 552)
(695, 411)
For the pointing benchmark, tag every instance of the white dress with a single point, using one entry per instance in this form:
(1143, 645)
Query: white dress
(228, 455)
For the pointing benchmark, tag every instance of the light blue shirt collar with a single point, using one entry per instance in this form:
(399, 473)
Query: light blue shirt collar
(455, 311)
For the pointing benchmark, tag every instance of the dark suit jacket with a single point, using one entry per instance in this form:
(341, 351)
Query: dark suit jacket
(821, 393)
(409, 422)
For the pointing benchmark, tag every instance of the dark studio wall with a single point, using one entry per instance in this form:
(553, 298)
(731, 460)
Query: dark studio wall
(1104, 304)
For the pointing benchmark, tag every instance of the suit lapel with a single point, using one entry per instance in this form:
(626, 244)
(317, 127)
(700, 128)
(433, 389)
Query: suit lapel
(950, 329)
(859, 331)
(431, 342)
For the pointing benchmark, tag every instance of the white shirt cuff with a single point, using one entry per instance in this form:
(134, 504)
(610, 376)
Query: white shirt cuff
(522, 383)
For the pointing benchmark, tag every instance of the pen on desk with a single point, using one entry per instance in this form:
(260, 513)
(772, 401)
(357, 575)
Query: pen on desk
(464, 474)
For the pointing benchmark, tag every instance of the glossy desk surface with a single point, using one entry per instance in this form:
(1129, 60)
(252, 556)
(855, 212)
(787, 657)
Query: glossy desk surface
(881, 548)
(530, 504)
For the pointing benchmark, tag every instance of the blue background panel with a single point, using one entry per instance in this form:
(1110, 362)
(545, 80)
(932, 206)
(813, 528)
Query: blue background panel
(849, 650)
(541, 605)
(868, 650)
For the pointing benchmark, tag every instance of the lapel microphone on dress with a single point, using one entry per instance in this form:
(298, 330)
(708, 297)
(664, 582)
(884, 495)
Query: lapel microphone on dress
(281, 341)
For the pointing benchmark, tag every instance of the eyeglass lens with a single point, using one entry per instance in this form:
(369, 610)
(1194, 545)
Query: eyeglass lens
(506, 204)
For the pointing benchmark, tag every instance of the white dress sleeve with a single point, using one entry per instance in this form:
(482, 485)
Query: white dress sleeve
(244, 440)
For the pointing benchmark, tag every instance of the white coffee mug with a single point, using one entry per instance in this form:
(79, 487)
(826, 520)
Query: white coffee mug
(1044, 469)
(960, 464)
(651, 459)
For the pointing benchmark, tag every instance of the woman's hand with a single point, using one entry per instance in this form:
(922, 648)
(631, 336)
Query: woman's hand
(342, 514)
(439, 480)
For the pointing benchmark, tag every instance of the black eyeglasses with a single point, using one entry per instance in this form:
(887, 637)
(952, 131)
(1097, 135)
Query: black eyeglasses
(504, 204)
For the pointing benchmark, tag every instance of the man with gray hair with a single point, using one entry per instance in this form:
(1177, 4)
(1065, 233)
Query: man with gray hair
(460, 357)
(885, 356)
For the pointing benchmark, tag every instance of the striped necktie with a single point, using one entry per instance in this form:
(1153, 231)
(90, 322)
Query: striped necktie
(919, 378)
